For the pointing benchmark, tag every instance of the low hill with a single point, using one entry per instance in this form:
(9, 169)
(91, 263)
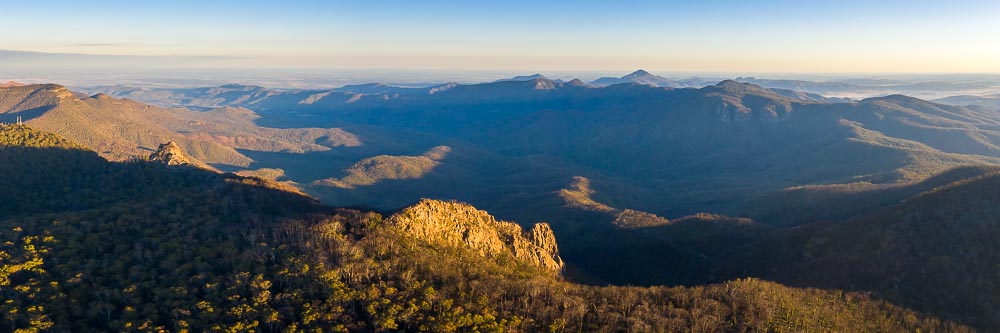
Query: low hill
(990, 101)
(384, 167)
(577, 196)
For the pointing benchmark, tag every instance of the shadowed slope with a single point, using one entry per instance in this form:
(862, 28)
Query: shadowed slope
(936, 251)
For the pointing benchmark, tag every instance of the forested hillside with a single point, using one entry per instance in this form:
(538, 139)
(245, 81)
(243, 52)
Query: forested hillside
(936, 251)
(182, 249)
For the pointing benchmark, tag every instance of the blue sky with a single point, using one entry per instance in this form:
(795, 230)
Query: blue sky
(678, 36)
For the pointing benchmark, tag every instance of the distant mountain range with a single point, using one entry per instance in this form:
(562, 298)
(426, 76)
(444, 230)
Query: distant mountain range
(833, 90)
(639, 77)
(859, 88)
(989, 101)
(653, 139)
(531, 77)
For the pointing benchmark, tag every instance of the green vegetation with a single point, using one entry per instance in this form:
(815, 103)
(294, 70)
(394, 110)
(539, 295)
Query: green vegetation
(19, 136)
(936, 252)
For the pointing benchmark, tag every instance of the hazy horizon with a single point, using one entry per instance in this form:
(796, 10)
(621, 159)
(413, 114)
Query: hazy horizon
(773, 36)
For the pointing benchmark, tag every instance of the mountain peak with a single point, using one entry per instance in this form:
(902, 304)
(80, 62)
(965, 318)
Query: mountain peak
(102, 96)
(543, 83)
(729, 84)
(639, 77)
(531, 77)
(536, 76)
(170, 154)
(640, 72)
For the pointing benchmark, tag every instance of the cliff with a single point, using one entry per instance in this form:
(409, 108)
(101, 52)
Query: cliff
(455, 224)
(171, 154)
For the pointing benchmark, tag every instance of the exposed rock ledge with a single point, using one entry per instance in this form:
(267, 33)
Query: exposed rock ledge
(171, 154)
(455, 224)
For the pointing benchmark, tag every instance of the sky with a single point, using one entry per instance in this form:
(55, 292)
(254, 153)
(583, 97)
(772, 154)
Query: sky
(780, 36)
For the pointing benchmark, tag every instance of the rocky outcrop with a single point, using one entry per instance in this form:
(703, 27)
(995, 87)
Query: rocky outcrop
(455, 224)
(171, 154)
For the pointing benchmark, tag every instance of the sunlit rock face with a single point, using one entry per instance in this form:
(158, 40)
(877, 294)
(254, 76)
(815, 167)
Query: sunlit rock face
(455, 224)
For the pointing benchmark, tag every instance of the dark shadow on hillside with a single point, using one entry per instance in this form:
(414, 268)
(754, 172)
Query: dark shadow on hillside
(819, 203)
(25, 114)
(935, 252)
(51, 180)
(683, 252)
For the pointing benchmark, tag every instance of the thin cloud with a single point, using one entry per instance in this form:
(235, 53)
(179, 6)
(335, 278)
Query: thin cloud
(99, 44)
(26, 60)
